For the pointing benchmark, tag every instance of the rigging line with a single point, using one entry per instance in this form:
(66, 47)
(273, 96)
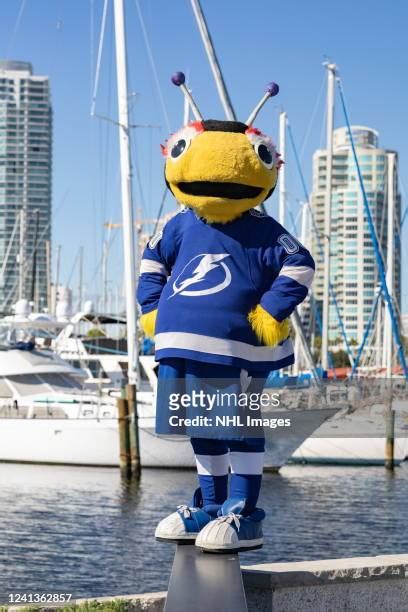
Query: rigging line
(403, 191)
(152, 64)
(159, 214)
(72, 269)
(108, 131)
(297, 161)
(138, 177)
(9, 246)
(91, 41)
(318, 240)
(57, 39)
(100, 261)
(99, 56)
(36, 247)
(312, 118)
(313, 303)
(92, 137)
(213, 60)
(403, 217)
(15, 29)
(380, 262)
(322, 129)
(366, 334)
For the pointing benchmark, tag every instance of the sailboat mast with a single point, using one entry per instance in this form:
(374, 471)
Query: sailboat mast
(57, 280)
(22, 254)
(129, 255)
(331, 72)
(213, 60)
(80, 277)
(34, 265)
(282, 171)
(388, 339)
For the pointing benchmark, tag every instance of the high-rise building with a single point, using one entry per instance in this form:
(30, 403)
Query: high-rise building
(25, 183)
(354, 273)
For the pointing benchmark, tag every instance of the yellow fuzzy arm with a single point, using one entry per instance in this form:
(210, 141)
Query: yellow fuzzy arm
(269, 331)
(148, 323)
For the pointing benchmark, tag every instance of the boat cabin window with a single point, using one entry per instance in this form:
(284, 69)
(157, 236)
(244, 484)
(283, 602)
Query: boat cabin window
(61, 381)
(95, 368)
(28, 384)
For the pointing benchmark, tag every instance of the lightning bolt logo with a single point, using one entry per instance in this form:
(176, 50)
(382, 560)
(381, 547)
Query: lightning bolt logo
(206, 263)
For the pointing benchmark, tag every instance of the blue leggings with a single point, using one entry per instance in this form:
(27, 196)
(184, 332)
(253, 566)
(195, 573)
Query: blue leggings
(214, 458)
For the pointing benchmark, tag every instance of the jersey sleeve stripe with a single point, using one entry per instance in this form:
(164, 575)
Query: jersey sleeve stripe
(301, 274)
(149, 266)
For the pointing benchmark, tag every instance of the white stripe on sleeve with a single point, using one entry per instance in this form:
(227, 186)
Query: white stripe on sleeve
(149, 266)
(301, 274)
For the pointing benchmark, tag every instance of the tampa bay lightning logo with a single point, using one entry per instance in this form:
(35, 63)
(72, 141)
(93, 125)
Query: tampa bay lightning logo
(206, 269)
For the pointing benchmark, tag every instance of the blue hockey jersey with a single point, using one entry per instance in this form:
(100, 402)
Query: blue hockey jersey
(205, 278)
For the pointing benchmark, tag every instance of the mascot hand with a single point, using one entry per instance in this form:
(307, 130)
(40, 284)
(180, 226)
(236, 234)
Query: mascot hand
(148, 323)
(269, 331)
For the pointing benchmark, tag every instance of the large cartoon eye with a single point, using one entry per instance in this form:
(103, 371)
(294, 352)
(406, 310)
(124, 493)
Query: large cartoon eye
(264, 154)
(179, 142)
(263, 147)
(179, 148)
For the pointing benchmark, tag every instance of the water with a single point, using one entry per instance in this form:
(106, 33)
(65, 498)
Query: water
(80, 530)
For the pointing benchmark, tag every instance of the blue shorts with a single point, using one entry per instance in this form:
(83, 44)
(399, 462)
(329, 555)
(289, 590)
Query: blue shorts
(205, 400)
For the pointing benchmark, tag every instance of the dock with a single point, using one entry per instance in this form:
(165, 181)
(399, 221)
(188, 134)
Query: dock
(358, 584)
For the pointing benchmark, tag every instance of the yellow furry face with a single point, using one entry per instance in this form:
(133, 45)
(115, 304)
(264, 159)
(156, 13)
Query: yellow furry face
(220, 168)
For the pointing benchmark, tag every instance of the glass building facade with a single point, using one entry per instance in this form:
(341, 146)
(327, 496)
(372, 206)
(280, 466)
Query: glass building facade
(25, 183)
(354, 273)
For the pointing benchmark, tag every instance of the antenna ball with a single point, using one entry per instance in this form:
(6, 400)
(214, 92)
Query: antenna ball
(178, 78)
(272, 89)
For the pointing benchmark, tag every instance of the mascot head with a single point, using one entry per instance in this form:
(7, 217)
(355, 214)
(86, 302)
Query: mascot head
(220, 168)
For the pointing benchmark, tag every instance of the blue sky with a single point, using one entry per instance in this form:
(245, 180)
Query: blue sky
(256, 41)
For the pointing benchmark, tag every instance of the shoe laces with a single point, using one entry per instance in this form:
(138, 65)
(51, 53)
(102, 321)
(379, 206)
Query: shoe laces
(184, 510)
(231, 518)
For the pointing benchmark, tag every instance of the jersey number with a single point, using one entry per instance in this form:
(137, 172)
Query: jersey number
(288, 243)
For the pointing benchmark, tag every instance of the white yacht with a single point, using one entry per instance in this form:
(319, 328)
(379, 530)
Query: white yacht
(48, 415)
(355, 435)
(61, 408)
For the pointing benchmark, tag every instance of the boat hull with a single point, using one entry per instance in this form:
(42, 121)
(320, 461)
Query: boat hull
(95, 442)
(348, 451)
(84, 442)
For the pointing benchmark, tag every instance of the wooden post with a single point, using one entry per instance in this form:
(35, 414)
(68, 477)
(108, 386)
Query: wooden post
(134, 429)
(389, 432)
(124, 438)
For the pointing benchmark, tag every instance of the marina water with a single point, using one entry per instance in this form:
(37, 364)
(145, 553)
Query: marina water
(82, 531)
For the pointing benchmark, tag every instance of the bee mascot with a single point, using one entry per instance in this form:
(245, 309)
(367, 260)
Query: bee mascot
(217, 286)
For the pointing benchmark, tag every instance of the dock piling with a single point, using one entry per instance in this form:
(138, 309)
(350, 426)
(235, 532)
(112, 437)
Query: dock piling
(389, 432)
(133, 429)
(125, 461)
